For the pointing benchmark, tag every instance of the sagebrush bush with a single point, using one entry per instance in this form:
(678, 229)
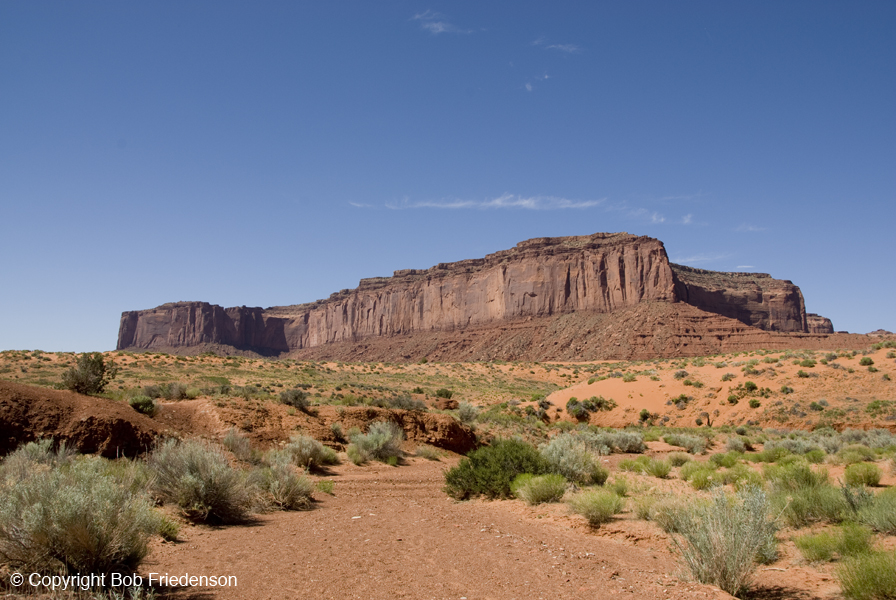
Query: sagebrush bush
(238, 444)
(199, 479)
(284, 487)
(428, 452)
(34, 455)
(694, 444)
(679, 458)
(143, 404)
(306, 452)
(538, 489)
(467, 413)
(721, 540)
(295, 398)
(658, 468)
(862, 474)
(489, 471)
(381, 442)
(570, 457)
(597, 506)
(870, 576)
(72, 519)
(628, 442)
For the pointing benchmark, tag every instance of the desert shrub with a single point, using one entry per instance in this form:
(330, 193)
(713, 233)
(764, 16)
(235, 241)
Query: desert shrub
(614, 441)
(306, 452)
(866, 361)
(794, 476)
(596, 403)
(597, 506)
(444, 393)
(428, 452)
(619, 486)
(296, 398)
(402, 401)
(850, 540)
(658, 468)
(90, 375)
(629, 377)
(238, 444)
(143, 404)
(284, 487)
(466, 412)
(705, 478)
(794, 446)
(754, 403)
(74, 519)
(862, 474)
(694, 444)
(728, 376)
(199, 479)
(381, 442)
(33, 456)
(569, 456)
(680, 374)
(720, 541)
(870, 576)
(489, 471)
(804, 496)
(538, 489)
(880, 513)
(855, 453)
(691, 467)
(679, 458)
(735, 444)
(727, 459)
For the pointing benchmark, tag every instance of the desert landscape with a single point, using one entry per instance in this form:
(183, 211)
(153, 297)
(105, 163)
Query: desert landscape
(412, 461)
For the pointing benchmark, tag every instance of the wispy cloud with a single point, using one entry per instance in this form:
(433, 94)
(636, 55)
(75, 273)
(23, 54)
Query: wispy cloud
(698, 258)
(687, 219)
(528, 87)
(642, 213)
(749, 228)
(567, 48)
(529, 84)
(504, 201)
(745, 267)
(360, 205)
(437, 23)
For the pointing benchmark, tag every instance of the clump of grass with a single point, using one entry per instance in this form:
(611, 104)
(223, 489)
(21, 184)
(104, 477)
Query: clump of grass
(849, 540)
(862, 474)
(721, 540)
(880, 513)
(694, 444)
(870, 576)
(144, 404)
(727, 459)
(597, 506)
(77, 518)
(428, 452)
(325, 487)
(381, 442)
(238, 444)
(489, 471)
(679, 458)
(467, 413)
(538, 489)
(619, 486)
(569, 456)
(199, 479)
(284, 487)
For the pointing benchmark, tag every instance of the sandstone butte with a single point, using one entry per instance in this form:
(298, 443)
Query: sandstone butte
(601, 296)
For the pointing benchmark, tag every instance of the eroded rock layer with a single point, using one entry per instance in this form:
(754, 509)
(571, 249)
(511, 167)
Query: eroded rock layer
(538, 279)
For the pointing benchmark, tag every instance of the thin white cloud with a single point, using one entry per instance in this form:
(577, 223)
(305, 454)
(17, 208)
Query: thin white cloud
(436, 23)
(528, 87)
(698, 258)
(360, 205)
(568, 48)
(687, 219)
(745, 267)
(643, 213)
(504, 201)
(749, 228)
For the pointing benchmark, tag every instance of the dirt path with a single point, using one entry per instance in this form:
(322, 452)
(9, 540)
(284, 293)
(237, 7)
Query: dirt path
(392, 533)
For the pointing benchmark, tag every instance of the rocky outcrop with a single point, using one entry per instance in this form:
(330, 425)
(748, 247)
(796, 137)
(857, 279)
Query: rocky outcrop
(819, 324)
(540, 278)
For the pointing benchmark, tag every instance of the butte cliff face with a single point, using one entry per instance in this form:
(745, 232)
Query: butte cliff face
(537, 279)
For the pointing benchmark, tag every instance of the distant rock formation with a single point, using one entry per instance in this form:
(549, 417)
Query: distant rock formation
(819, 324)
(539, 278)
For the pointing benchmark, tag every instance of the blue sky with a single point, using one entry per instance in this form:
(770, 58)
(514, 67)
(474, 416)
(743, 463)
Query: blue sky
(269, 153)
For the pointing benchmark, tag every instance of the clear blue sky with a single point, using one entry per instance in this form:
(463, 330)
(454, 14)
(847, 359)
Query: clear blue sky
(269, 153)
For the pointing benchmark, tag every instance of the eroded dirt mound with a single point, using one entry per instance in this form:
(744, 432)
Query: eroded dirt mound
(269, 423)
(92, 425)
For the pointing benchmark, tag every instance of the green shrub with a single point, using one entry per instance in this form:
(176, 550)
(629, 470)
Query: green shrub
(679, 458)
(90, 375)
(735, 444)
(305, 452)
(754, 403)
(444, 393)
(862, 474)
(727, 460)
(688, 469)
(692, 443)
(804, 506)
(849, 540)
(74, 519)
(198, 478)
(817, 548)
(538, 489)
(570, 457)
(295, 398)
(870, 576)
(381, 442)
(144, 404)
(855, 453)
(680, 374)
(802, 374)
(489, 471)
(614, 441)
(428, 452)
(866, 361)
(619, 486)
(703, 479)
(466, 412)
(658, 468)
(720, 541)
(728, 376)
(880, 513)
(597, 506)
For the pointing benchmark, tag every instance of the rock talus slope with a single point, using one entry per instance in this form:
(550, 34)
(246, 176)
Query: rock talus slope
(540, 278)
